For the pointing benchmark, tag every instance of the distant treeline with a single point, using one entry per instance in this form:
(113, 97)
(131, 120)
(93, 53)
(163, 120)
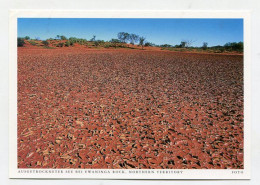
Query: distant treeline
(132, 39)
(230, 46)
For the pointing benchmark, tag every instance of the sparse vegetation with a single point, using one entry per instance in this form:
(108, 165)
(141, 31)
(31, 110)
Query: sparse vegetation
(115, 42)
(234, 46)
(124, 39)
(48, 47)
(99, 43)
(32, 42)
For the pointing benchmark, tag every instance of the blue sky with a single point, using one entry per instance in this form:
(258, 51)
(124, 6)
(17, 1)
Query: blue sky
(158, 31)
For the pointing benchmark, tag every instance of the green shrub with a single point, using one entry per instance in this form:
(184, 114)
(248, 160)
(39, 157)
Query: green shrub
(20, 42)
(148, 44)
(33, 42)
(99, 42)
(221, 50)
(61, 44)
(234, 46)
(67, 43)
(45, 43)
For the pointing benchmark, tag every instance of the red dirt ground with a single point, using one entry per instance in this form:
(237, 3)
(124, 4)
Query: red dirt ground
(90, 108)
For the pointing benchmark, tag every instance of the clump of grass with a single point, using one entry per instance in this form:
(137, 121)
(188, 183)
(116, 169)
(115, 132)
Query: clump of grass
(48, 47)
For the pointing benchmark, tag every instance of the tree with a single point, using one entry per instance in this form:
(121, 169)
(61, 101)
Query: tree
(133, 38)
(234, 46)
(20, 42)
(62, 37)
(186, 43)
(58, 37)
(204, 45)
(183, 44)
(123, 36)
(141, 41)
(93, 38)
(27, 38)
(148, 44)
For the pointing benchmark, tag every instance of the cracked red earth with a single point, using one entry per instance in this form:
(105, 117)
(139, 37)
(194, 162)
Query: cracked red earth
(80, 108)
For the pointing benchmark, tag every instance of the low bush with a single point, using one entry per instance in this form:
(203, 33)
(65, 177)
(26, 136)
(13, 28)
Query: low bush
(67, 43)
(61, 44)
(45, 43)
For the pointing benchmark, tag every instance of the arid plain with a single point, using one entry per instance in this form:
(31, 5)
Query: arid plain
(129, 108)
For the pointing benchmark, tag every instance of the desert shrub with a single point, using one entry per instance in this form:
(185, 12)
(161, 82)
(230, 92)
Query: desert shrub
(221, 50)
(114, 42)
(32, 42)
(99, 42)
(45, 43)
(67, 43)
(20, 42)
(61, 44)
(106, 45)
(165, 45)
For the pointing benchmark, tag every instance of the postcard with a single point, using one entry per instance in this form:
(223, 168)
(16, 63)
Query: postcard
(129, 94)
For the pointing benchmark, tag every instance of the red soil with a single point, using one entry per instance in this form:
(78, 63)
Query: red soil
(89, 108)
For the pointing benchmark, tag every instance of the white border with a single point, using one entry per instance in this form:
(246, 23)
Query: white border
(185, 173)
